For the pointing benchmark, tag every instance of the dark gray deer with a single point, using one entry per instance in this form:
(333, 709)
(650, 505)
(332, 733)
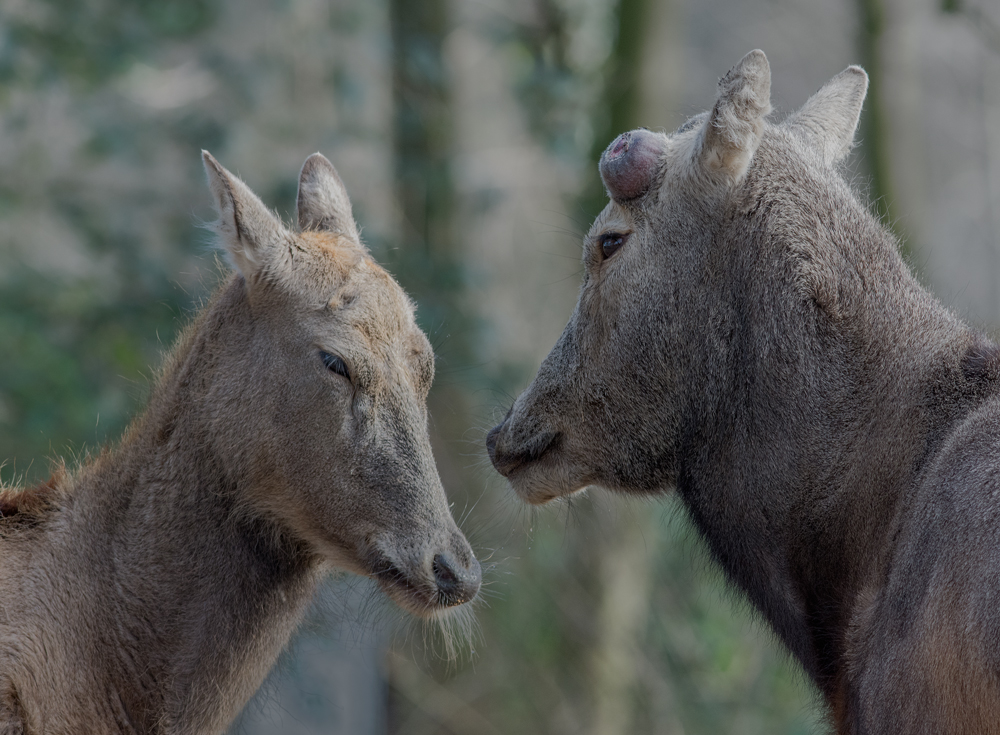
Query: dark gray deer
(151, 590)
(748, 334)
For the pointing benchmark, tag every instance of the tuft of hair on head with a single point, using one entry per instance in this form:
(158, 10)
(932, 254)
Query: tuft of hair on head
(733, 130)
(829, 119)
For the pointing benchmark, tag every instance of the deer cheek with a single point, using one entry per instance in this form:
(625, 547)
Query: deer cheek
(629, 163)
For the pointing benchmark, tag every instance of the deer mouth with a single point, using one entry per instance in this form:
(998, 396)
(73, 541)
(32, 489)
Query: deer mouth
(448, 584)
(537, 468)
(414, 596)
(544, 481)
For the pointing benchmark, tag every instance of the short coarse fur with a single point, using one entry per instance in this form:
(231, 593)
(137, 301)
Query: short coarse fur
(758, 344)
(150, 590)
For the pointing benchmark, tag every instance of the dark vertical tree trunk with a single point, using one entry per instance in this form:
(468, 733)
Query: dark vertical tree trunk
(423, 126)
(620, 103)
(874, 125)
(426, 258)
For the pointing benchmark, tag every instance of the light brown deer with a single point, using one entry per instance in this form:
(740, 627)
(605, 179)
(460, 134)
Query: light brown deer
(151, 590)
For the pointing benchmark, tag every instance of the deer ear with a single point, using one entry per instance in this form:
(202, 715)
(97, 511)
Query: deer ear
(735, 125)
(322, 202)
(830, 117)
(248, 230)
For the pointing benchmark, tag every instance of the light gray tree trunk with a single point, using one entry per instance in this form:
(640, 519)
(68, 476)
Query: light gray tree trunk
(644, 90)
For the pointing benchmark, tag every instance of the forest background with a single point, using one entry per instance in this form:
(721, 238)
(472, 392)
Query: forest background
(467, 132)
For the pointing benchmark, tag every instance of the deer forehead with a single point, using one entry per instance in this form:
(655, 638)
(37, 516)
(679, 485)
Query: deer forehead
(329, 258)
(678, 158)
(374, 303)
(339, 273)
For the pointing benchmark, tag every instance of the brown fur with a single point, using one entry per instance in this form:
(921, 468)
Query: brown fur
(150, 590)
(33, 502)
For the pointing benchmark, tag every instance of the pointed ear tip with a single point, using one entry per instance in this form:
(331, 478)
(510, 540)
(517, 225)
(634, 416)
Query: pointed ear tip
(314, 157)
(211, 165)
(756, 58)
(753, 69)
(853, 81)
(317, 161)
(856, 71)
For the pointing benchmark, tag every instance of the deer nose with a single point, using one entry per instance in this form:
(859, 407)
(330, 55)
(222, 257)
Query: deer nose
(456, 583)
(507, 459)
(491, 440)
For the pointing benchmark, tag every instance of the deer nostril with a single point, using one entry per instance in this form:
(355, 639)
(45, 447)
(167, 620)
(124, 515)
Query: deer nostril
(491, 439)
(456, 583)
(539, 445)
(444, 573)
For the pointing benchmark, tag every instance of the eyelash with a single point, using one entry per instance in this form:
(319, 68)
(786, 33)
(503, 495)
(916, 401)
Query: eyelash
(335, 364)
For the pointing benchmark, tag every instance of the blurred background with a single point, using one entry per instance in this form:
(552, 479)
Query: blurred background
(467, 132)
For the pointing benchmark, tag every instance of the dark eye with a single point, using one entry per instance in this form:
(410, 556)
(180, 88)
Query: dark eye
(611, 242)
(335, 364)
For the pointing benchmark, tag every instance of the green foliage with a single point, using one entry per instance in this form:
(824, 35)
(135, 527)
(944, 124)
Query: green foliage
(77, 365)
(79, 340)
(88, 42)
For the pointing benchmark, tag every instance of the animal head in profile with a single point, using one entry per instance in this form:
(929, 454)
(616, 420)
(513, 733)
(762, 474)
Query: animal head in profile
(728, 209)
(317, 383)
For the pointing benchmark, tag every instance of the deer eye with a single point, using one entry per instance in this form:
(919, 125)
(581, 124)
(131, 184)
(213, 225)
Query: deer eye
(611, 243)
(335, 364)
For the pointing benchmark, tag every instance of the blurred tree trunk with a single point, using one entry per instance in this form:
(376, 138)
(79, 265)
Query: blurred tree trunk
(425, 257)
(874, 126)
(620, 102)
(991, 125)
(900, 107)
(641, 90)
(423, 125)
(427, 261)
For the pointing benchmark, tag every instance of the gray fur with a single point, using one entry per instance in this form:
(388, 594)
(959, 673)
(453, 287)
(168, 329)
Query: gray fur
(322, 199)
(151, 590)
(758, 344)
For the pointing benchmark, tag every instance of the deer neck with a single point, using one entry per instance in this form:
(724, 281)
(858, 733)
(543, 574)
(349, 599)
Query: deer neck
(802, 468)
(198, 593)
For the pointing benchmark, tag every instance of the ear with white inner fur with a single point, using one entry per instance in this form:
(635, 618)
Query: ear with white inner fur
(248, 230)
(322, 200)
(830, 117)
(734, 127)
